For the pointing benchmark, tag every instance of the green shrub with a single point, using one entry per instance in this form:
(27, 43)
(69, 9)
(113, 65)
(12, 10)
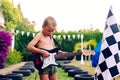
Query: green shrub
(14, 57)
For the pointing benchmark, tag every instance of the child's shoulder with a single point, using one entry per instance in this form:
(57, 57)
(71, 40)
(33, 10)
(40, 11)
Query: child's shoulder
(38, 34)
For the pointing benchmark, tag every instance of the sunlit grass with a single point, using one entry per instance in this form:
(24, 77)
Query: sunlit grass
(85, 66)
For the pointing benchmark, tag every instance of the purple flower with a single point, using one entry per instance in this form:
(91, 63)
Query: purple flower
(5, 39)
(5, 42)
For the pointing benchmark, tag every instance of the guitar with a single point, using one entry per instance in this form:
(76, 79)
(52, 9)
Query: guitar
(42, 63)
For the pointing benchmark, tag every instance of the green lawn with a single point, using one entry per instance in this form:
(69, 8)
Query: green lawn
(64, 75)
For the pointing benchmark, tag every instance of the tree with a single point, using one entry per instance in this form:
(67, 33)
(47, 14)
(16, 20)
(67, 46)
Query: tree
(10, 12)
(14, 18)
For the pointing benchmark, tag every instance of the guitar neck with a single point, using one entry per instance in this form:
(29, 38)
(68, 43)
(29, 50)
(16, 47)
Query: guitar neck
(67, 54)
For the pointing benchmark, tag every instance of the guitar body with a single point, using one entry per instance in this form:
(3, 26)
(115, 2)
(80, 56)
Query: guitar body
(38, 60)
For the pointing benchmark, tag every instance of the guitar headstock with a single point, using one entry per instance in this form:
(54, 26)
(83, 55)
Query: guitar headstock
(88, 52)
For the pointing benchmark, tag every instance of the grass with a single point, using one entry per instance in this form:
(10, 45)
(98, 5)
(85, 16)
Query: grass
(64, 75)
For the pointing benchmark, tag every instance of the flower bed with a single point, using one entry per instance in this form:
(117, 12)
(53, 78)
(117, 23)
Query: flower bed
(5, 42)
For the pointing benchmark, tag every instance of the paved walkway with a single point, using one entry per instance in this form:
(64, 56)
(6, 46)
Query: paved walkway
(10, 68)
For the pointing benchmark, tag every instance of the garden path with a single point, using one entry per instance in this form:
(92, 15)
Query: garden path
(11, 68)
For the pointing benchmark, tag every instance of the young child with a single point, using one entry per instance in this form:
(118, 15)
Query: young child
(43, 42)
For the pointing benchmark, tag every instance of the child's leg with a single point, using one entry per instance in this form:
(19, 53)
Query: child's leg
(44, 77)
(53, 76)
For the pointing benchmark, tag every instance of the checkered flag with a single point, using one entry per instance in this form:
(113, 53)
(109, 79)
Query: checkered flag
(109, 61)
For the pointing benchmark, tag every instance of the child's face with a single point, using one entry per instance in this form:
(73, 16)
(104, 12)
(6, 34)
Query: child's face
(48, 30)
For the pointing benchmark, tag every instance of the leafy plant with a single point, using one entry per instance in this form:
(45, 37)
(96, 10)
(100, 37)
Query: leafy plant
(14, 57)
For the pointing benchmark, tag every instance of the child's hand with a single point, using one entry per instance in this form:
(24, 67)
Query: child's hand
(46, 54)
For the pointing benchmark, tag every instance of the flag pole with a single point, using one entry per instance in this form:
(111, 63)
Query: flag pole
(82, 61)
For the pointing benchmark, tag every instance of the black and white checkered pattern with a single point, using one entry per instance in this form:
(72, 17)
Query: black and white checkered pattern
(109, 61)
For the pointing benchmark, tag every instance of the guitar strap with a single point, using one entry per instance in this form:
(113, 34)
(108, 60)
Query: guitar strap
(58, 45)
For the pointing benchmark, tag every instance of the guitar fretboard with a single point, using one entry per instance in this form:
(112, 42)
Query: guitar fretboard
(67, 54)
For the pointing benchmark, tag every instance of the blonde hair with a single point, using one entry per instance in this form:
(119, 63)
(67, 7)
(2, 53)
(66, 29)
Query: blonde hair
(49, 21)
